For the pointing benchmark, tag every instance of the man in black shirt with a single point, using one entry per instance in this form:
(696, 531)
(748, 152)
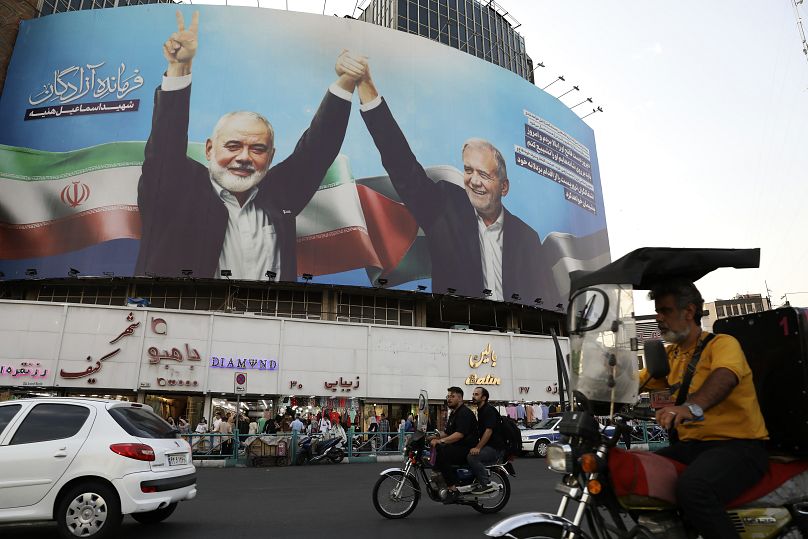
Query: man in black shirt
(490, 446)
(453, 446)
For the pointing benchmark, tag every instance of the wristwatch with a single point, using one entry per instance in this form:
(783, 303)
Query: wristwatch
(696, 410)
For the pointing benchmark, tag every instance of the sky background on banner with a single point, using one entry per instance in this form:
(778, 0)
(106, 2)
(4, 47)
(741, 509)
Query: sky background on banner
(704, 135)
(281, 65)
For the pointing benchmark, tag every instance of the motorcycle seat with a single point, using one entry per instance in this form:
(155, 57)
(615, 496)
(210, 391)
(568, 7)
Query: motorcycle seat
(642, 478)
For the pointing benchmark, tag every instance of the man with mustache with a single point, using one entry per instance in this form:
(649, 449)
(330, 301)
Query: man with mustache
(238, 214)
(720, 427)
(475, 243)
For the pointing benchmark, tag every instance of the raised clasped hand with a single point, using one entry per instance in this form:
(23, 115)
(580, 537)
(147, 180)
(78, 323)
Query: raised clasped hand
(351, 65)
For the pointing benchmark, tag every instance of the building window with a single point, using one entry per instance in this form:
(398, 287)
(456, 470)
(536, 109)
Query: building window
(83, 293)
(367, 309)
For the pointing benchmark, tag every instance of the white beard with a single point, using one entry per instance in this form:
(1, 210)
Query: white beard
(676, 337)
(233, 183)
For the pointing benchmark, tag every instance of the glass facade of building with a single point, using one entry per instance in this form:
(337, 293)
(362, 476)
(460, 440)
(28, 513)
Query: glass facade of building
(483, 29)
(47, 7)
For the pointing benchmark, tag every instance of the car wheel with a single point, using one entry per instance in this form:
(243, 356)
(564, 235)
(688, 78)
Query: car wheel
(158, 515)
(541, 448)
(88, 510)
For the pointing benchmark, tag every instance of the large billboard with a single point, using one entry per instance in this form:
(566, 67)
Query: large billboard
(260, 144)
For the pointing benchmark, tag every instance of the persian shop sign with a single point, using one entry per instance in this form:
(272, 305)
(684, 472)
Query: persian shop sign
(487, 356)
(258, 364)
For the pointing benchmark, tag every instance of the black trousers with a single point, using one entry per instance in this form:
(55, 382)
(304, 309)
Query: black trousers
(448, 455)
(717, 472)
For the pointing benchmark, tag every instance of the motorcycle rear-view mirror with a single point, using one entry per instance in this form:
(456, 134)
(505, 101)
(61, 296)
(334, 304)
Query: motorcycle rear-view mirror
(656, 359)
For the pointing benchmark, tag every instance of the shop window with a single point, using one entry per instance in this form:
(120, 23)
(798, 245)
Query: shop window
(50, 422)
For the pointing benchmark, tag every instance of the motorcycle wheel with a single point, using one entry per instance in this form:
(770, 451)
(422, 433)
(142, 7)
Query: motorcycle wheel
(385, 501)
(496, 503)
(336, 456)
(537, 531)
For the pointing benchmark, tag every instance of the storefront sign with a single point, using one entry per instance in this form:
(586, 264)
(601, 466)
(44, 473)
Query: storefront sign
(487, 356)
(523, 389)
(345, 387)
(26, 370)
(93, 368)
(244, 363)
(163, 382)
(155, 355)
(487, 380)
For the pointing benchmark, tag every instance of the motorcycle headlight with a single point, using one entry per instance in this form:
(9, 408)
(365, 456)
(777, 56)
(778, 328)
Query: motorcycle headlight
(559, 458)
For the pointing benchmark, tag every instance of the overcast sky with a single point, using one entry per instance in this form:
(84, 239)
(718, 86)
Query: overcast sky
(703, 141)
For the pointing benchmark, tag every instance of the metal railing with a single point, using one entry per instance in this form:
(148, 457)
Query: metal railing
(648, 433)
(281, 449)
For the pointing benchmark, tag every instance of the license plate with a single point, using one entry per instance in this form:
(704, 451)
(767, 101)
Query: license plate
(177, 460)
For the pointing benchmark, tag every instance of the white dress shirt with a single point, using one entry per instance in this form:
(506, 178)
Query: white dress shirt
(491, 254)
(250, 245)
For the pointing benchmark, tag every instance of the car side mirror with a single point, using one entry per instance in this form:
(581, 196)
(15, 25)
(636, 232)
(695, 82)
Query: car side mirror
(656, 359)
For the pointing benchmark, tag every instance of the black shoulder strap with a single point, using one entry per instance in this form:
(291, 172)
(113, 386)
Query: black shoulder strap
(691, 369)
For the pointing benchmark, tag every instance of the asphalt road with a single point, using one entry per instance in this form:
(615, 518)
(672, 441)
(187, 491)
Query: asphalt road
(315, 502)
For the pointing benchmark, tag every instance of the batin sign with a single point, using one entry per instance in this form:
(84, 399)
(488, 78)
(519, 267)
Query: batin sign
(475, 360)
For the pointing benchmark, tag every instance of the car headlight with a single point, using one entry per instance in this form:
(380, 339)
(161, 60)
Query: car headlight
(559, 458)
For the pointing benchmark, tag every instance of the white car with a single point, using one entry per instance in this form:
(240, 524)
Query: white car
(87, 462)
(539, 437)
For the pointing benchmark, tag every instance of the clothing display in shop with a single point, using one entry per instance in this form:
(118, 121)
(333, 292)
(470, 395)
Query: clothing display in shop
(529, 412)
(545, 411)
(520, 411)
(537, 412)
(510, 411)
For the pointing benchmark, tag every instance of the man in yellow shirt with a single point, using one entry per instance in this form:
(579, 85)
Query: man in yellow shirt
(719, 424)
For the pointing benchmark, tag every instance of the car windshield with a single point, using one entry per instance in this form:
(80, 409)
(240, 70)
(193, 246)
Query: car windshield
(142, 422)
(546, 423)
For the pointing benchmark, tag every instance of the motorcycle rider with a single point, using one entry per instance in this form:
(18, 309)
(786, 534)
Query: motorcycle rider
(490, 446)
(452, 447)
(720, 426)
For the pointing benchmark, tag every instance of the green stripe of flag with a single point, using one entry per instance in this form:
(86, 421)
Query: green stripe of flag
(37, 165)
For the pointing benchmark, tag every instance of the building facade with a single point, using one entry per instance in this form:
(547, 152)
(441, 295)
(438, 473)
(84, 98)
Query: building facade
(184, 364)
(48, 7)
(737, 306)
(483, 29)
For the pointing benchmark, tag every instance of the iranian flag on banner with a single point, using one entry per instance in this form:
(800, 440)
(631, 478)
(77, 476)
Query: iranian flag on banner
(54, 203)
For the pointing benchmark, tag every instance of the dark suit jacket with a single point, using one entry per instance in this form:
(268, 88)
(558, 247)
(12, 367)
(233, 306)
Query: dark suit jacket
(184, 220)
(449, 221)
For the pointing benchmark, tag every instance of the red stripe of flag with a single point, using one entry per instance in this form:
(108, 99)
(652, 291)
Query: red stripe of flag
(80, 230)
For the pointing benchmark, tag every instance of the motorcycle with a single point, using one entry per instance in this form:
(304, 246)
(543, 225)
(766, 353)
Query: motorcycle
(622, 494)
(398, 490)
(312, 451)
